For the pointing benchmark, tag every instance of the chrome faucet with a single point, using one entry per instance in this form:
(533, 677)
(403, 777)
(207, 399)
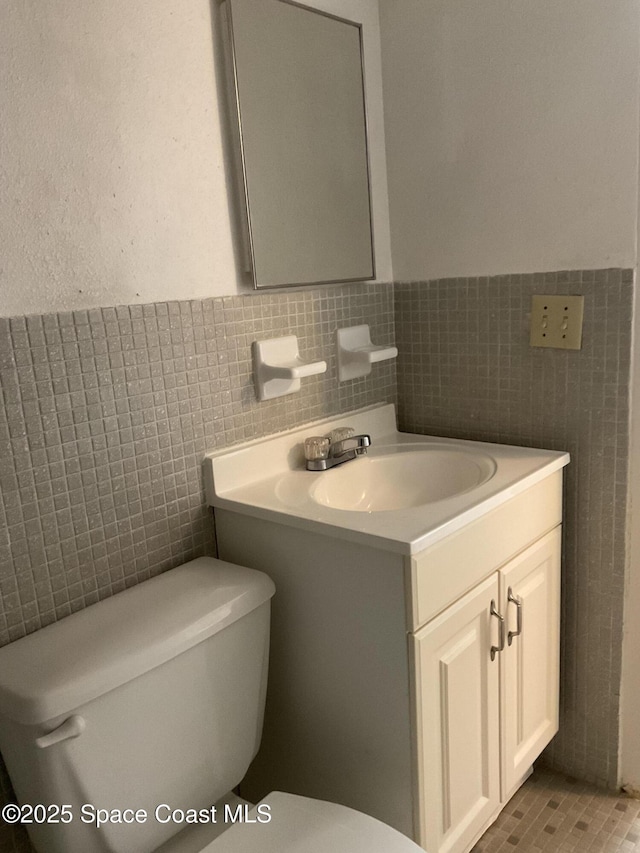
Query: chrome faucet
(341, 445)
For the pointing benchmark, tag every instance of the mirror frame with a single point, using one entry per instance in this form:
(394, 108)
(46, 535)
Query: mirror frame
(247, 228)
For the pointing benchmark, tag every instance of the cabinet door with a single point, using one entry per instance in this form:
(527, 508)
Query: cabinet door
(530, 662)
(457, 710)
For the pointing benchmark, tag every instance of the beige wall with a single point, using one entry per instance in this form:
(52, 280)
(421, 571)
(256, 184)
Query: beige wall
(113, 186)
(511, 134)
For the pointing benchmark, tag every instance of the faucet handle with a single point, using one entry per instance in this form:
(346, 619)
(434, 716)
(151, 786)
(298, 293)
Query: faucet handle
(341, 434)
(316, 447)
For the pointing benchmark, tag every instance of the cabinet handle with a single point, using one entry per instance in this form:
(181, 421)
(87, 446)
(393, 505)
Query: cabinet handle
(515, 599)
(494, 612)
(72, 727)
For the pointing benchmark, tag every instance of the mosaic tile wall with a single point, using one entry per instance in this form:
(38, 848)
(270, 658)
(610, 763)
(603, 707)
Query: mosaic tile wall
(105, 417)
(466, 370)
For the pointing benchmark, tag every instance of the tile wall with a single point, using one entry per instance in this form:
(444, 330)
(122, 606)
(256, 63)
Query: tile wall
(105, 417)
(466, 370)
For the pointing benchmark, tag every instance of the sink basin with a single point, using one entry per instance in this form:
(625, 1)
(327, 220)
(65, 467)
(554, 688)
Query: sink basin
(409, 492)
(402, 477)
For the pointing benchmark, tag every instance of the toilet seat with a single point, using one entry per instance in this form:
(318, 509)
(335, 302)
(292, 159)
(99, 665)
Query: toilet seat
(302, 825)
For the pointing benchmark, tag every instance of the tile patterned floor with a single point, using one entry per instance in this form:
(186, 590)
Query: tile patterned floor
(557, 814)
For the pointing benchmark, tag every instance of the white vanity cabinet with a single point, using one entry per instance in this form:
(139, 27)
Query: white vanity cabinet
(486, 695)
(382, 691)
(530, 664)
(457, 690)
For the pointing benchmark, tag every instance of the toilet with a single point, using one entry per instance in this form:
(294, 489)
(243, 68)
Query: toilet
(130, 722)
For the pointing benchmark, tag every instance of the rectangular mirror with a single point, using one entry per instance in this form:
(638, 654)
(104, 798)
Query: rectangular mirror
(299, 85)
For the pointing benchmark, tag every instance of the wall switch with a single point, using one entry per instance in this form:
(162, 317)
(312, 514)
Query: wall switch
(556, 321)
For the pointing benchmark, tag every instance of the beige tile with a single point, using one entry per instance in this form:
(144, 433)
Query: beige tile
(551, 813)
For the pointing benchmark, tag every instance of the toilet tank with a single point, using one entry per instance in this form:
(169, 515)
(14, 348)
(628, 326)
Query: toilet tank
(152, 697)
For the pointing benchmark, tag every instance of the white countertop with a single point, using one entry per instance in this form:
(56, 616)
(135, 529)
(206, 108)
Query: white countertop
(267, 479)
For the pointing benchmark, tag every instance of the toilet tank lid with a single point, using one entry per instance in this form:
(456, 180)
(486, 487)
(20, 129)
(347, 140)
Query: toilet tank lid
(63, 666)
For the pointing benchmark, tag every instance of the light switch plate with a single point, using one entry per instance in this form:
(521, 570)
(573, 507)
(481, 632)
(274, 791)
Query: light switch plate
(556, 321)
